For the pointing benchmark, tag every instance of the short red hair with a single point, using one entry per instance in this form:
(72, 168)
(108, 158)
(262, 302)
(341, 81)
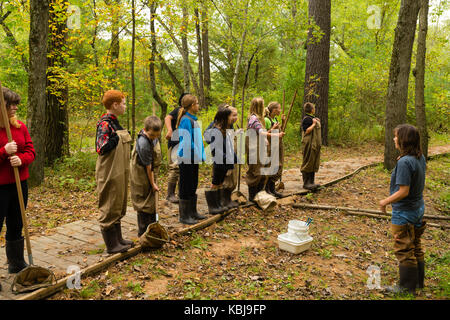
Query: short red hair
(112, 96)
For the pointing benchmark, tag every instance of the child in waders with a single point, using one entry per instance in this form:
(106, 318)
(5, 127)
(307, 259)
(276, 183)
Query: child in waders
(145, 163)
(271, 123)
(224, 158)
(112, 171)
(408, 207)
(254, 178)
(174, 174)
(311, 144)
(190, 153)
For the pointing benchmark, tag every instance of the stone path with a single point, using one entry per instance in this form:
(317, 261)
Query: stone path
(80, 243)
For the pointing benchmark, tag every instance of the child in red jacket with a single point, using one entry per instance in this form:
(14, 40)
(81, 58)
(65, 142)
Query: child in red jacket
(18, 153)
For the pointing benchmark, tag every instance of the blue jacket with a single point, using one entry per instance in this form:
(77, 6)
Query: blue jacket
(190, 136)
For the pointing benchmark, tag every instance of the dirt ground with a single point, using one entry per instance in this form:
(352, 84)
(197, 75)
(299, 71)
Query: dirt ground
(239, 258)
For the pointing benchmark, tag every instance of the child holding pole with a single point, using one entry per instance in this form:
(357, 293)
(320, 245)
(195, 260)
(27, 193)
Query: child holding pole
(145, 162)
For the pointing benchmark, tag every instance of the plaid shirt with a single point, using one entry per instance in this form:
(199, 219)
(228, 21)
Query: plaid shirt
(107, 139)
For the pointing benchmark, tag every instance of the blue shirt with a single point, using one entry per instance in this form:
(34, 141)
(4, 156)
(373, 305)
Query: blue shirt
(190, 136)
(409, 171)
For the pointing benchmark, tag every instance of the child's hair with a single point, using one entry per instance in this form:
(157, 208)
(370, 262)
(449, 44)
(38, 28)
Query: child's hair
(186, 102)
(112, 96)
(181, 98)
(272, 105)
(308, 106)
(221, 118)
(408, 139)
(257, 108)
(11, 98)
(152, 123)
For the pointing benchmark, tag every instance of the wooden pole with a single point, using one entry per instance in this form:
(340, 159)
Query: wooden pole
(289, 113)
(328, 207)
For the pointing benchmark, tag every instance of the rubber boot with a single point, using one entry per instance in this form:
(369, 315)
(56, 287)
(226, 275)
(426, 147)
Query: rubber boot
(143, 220)
(252, 191)
(420, 274)
(270, 188)
(311, 180)
(184, 208)
(120, 238)
(225, 199)
(407, 282)
(307, 180)
(171, 197)
(111, 239)
(212, 198)
(194, 212)
(14, 253)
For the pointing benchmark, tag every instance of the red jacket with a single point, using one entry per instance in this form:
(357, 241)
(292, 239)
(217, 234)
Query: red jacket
(25, 151)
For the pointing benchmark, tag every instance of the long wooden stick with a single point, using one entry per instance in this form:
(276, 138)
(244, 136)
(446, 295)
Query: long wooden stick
(328, 207)
(16, 176)
(289, 113)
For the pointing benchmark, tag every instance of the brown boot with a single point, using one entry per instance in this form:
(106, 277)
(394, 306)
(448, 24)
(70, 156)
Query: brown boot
(312, 178)
(419, 254)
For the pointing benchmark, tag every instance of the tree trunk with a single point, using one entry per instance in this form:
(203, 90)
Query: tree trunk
(115, 44)
(133, 84)
(419, 73)
(236, 68)
(185, 51)
(56, 116)
(39, 14)
(155, 94)
(318, 63)
(201, 93)
(206, 58)
(397, 95)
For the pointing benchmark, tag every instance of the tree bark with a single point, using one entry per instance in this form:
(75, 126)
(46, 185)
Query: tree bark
(201, 93)
(56, 116)
(115, 43)
(155, 94)
(206, 58)
(419, 73)
(318, 62)
(185, 51)
(39, 14)
(397, 95)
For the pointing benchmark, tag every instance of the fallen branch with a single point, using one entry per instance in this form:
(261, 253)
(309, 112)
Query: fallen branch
(367, 213)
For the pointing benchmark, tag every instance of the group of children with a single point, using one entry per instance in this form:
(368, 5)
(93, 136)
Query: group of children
(186, 151)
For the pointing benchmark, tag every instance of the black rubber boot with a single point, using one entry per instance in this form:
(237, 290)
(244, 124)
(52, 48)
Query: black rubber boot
(171, 197)
(184, 208)
(312, 178)
(120, 238)
(407, 282)
(14, 253)
(212, 198)
(420, 274)
(111, 239)
(194, 211)
(307, 180)
(252, 191)
(225, 199)
(143, 220)
(270, 188)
